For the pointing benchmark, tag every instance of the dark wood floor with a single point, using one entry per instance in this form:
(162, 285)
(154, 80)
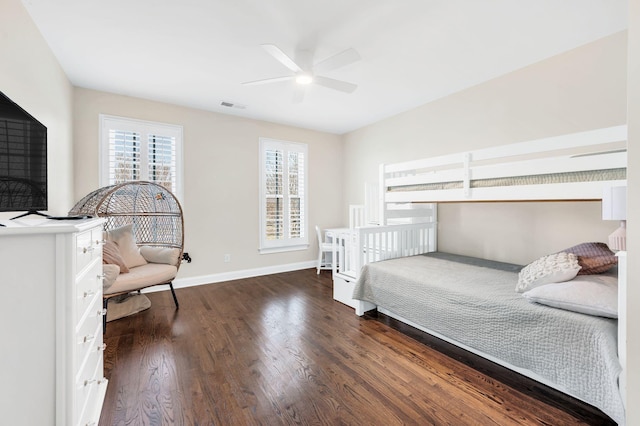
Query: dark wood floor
(278, 350)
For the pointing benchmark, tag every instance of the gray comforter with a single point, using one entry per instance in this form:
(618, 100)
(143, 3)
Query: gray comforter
(478, 307)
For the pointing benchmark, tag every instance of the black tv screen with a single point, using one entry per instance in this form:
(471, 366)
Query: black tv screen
(23, 159)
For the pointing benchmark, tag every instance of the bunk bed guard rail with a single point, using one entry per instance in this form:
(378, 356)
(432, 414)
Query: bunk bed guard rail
(568, 167)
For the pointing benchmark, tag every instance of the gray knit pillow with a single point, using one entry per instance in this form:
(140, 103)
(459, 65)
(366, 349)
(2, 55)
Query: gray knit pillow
(554, 268)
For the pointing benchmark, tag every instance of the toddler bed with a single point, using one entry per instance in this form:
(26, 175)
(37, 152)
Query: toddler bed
(472, 304)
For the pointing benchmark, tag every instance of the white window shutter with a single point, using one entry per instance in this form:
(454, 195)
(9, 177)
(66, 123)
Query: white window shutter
(162, 160)
(283, 196)
(140, 150)
(296, 195)
(273, 182)
(124, 156)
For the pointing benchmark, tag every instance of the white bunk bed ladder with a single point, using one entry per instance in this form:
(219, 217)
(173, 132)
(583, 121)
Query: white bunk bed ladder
(371, 203)
(357, 216)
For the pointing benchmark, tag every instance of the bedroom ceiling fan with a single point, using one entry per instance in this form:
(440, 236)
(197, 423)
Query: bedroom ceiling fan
(305, 72)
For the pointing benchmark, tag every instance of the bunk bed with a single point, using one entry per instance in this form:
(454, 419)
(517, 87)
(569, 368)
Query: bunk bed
(394, 266)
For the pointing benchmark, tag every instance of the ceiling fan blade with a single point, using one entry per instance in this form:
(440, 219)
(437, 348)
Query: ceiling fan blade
(281, 57)
(268, 80)
(339, 60)
(340, 85)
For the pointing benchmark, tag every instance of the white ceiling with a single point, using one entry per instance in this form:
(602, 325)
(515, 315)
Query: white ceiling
(197, 52)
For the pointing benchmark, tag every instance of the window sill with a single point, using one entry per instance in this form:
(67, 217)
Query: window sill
(270, 250)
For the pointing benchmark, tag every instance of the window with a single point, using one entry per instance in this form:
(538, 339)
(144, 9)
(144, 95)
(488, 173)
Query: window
(283, 196)
(140, 150)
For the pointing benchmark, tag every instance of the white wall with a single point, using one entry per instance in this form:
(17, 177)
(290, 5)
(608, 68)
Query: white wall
(220, 178)
(633, 225)
(31, 76)
(582, 89)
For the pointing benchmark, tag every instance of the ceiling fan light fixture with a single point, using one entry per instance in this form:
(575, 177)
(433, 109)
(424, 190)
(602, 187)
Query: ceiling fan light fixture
(304, 79)
(310, 74)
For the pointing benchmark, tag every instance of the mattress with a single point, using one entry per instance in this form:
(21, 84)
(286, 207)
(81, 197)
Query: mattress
(474, 303)
(551, 178)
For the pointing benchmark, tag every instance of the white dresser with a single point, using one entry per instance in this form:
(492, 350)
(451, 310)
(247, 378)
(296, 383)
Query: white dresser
(51, 353)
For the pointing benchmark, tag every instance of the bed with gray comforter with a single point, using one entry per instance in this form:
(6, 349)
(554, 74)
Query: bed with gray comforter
(474, 303)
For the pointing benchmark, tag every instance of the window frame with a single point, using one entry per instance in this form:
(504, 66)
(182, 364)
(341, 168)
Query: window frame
(287, 243)
(144, 128)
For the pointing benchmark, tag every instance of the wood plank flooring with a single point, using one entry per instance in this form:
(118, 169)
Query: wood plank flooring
(278, 350)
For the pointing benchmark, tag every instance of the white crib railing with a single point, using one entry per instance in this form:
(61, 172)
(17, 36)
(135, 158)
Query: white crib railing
(355, 248)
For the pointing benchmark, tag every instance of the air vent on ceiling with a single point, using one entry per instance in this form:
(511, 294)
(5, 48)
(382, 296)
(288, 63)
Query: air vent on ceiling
(232, 105)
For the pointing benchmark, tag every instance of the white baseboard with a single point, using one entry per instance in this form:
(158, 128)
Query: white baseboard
(234, 275)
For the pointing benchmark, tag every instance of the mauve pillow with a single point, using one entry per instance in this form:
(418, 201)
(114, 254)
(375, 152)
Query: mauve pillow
(594, 258)
(111, 256)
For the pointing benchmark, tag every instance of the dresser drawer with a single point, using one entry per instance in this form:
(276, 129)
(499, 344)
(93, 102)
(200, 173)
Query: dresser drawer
(84, 411)
(88, 247)
(87, 385)
(88, 288)
(87, 368)
(89, 334)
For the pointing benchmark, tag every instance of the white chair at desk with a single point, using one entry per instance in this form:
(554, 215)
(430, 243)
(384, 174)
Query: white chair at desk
(331, 237)
(324, 252)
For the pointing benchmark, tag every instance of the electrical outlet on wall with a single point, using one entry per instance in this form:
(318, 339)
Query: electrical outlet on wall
(227, 258)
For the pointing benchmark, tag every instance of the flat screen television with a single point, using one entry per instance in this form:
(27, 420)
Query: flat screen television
(23, 160)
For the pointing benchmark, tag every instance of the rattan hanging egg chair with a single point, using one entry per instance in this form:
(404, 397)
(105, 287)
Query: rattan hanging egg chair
(155, 216)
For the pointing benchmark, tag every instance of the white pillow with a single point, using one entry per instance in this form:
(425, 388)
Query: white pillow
(165, 255)
(126, 242)
(553, 268)
(588, 294)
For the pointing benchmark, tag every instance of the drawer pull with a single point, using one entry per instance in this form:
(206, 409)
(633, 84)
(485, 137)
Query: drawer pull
(89, 293)
(102, 276)
(88, 249)
(98, 242)
(88, 382)
(102, 312)
(87, 338)
(102, 347)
